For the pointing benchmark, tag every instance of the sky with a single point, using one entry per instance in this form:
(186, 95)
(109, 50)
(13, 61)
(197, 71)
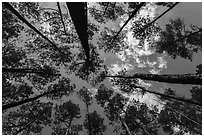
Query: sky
(191, 14)
(142, 60)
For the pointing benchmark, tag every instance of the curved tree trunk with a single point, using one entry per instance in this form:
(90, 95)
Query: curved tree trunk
(125, 126)
(167, 78)
(15, 104)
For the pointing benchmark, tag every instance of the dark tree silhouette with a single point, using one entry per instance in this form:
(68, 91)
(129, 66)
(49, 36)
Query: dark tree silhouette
(78, 14)
(29, 119)
(95, 124)
(65, 114)
(175, 40)
(31, 26)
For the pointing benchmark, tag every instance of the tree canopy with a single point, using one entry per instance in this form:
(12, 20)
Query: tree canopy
(98, 68)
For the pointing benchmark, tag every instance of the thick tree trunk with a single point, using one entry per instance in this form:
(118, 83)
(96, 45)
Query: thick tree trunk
(78, 13)
(167, 78)
(8, 6)
(15, 104)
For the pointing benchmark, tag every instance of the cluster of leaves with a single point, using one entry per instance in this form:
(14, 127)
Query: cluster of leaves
(63, 88)
(109, 43)
(14, 93)
(88, 69)
(107, 11)
(144, 33)
(171, 44)
(64, 115)
(32, 116)
(94, 124)
(11, 27)
(28, 119)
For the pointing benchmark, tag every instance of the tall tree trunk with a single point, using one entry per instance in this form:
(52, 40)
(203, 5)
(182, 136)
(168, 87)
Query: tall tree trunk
(88, 119)
(15, 104)
(171, 97)
(130, 17)
(191, 34)
(58, 5)
(149, 24)
(125, 126)
(180, 114)
(78, 13)
(69, 127)
(168, 78)
(16, 70)
(8, 6)
(140, 126)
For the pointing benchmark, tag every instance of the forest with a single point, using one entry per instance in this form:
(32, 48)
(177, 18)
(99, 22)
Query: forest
(101, 68)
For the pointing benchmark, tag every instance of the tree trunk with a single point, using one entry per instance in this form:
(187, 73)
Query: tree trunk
(8, 6)
(58, 5)
(69, 127)
(147, 25)
(188, 36)
(15, 104)
(130, 17)
(140, 126)
(78, 13)
(168, 78)
(125, 126)
(172, 97)
(180, 114)
(88, 121)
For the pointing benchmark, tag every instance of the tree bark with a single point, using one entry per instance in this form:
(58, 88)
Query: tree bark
(15, 104)
(78, 13)
(167, 78)
(8, 6)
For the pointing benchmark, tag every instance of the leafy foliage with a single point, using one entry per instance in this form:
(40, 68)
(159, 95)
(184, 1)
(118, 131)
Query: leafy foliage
(85, 96)
(64, 115)
(169, 40)
(60, 89)
(106, 11)
(106, 41)
(95, 124)
(40, 61)
(28, 119)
